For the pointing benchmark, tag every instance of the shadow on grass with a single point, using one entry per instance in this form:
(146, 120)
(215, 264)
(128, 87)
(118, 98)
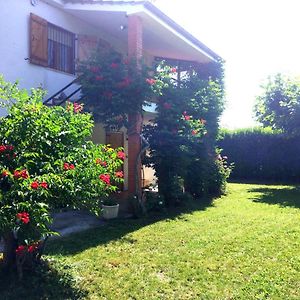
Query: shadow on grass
(116, 230)
(49, 281)
(287, 196)
(54, 280)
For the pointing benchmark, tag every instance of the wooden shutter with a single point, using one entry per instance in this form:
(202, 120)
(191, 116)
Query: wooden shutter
(85, 46)
(38, 40)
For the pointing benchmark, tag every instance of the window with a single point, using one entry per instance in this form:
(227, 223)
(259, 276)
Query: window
(51, 46)
(60, 49)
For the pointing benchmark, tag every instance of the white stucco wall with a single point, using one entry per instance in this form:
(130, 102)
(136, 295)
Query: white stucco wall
(14, 43)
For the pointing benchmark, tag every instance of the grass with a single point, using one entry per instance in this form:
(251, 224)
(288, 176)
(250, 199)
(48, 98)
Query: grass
(244, 246)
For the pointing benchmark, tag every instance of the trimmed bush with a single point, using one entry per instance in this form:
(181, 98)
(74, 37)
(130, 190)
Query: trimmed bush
(262, 155)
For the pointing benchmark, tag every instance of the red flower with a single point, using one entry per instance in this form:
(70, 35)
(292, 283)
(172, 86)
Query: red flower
(187, 118)
(32, 247)
(202, 121)
(167, 105)
(4, 173)
(121, 155)
(119, 174)
(10, 147)
(99, 78)
(20, 250)
(194, 132)
(34, 185)
(17, 174)
(2, 148)
(101, 163)
(44, 185)
(24, 174)
(77, 107)
(24, 217)
(150, 81)
(68, 166)
(114, 65)
(173, 70)
(105, 178)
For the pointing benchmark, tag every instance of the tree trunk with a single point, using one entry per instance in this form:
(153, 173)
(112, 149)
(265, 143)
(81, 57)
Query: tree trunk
(9, 252)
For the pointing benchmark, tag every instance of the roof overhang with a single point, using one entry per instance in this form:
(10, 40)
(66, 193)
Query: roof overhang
(162, 37)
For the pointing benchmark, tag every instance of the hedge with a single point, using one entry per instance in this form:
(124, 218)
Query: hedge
(262, 155)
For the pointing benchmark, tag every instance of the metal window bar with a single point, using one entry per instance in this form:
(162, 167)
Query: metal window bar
(61, 49)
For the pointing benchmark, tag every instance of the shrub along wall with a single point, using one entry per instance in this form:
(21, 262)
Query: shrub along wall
(263, 155)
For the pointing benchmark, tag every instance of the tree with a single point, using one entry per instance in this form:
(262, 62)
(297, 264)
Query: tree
(115, 87)
(278, 106)
(46, 161)
(183, 135)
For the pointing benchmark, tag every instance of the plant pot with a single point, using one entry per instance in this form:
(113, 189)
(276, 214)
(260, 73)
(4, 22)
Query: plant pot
(110, 211)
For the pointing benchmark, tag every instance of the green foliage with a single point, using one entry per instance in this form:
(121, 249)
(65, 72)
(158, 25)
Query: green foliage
(246, 246)
(114, 87)
(279, 104)
(47, 162)
(183, 134)
(262, 155)
(208, 176)
(154, 201)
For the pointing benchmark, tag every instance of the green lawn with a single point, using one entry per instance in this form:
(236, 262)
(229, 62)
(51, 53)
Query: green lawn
(244, 246)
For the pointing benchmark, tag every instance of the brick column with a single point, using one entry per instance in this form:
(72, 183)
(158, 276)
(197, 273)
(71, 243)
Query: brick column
(135, 37)
(135, 51)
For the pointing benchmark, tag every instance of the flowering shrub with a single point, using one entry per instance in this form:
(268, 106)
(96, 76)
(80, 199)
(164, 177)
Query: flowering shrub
(183, 136)
(114, 87)
(47, 162)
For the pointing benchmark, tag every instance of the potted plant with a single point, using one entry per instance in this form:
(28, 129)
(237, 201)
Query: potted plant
(110, 208)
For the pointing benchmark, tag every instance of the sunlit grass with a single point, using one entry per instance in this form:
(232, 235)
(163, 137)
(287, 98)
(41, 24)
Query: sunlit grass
(245, 246)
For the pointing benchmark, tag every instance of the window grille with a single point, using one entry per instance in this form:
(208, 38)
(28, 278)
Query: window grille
(61, 49)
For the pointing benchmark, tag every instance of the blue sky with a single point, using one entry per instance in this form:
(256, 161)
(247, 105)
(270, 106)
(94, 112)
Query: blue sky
(257, 38)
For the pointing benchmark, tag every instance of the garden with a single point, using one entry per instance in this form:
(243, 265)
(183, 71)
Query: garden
(196, 238)
(243, 246)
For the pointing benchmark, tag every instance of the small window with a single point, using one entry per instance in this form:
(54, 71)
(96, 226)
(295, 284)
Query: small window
(51, 46)
(61, 45)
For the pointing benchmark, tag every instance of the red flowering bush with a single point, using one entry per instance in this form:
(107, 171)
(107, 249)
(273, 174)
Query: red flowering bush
(183, 135)
(46, 162)
(114, 87)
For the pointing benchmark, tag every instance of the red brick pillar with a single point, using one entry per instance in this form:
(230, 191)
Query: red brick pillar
(135, 51)
(135, 37)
